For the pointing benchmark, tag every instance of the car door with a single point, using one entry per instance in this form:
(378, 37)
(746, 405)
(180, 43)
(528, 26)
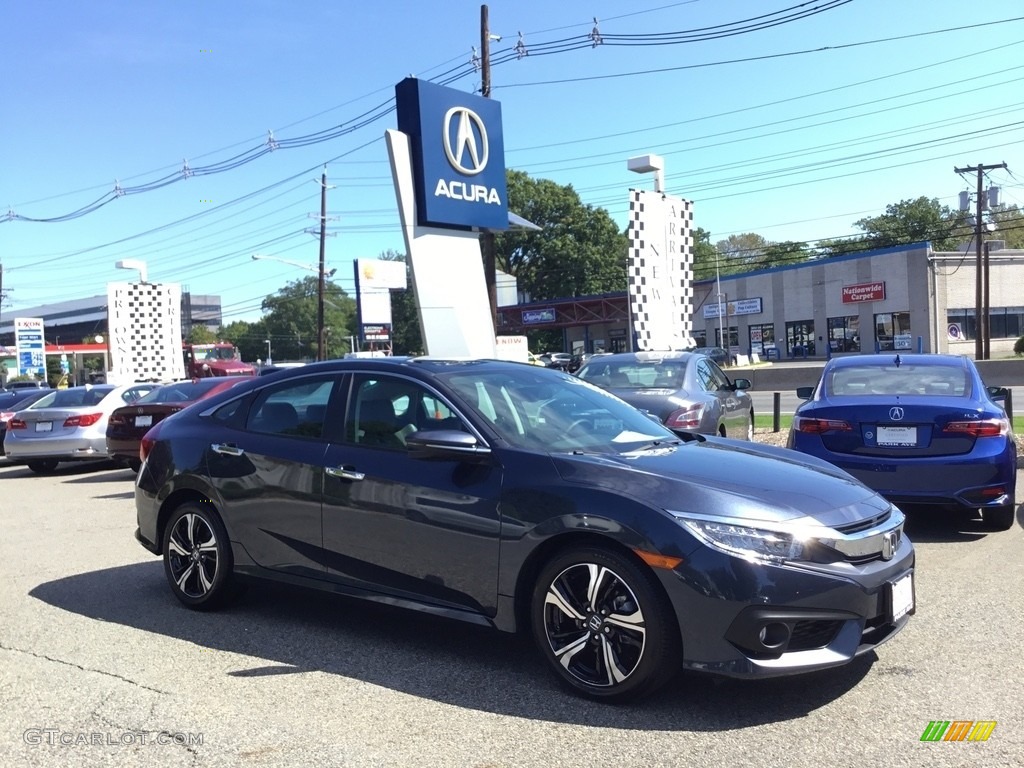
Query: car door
(734, 408)
(269, 474)
(422, 529)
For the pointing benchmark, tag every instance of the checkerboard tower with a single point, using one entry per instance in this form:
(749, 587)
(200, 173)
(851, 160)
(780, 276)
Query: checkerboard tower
(660, 270)
(144, 320)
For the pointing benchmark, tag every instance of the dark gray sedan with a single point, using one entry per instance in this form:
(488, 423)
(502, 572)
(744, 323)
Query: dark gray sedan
(685, 390)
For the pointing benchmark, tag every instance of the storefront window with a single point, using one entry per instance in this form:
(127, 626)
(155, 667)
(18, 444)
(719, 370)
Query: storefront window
(733, 335)
(892, 331)
(762, 337)
(800, 338)
(844, 334)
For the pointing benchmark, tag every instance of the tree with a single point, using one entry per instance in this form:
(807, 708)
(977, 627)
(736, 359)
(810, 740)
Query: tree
(911, 221)
(1009, 221)
(579, 250)
(290, 320)
(200, 334)
(740, 253)
(249, 338)
(704, 255)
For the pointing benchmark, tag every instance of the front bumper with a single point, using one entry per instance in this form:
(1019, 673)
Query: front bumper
(746, 619)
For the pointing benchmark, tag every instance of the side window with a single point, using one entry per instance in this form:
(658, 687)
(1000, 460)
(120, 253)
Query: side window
(704, 377)
(718, 379)
(296, 408)
(384, 410)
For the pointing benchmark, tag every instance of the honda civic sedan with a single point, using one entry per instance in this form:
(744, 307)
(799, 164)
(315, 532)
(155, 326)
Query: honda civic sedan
(67, 425)
(922, 430)
(523, 498)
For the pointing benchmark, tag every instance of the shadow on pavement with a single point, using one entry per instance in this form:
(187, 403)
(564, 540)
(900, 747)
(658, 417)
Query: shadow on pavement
(938, 526)
(460, 664)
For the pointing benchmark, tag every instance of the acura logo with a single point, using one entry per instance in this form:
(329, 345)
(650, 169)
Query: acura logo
(890, 541)
(464, 153)
(896, 414)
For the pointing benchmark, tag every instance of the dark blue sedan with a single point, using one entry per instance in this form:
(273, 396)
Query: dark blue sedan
(919, 429)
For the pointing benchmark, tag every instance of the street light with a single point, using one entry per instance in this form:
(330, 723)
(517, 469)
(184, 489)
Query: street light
(320, 343)
(134, 264)
(269, 358)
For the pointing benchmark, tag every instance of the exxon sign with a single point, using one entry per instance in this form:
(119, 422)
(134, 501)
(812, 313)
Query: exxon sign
(458, 155)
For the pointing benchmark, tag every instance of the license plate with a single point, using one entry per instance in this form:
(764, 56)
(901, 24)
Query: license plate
(44, 426)
(144, 421)
(902, 437)
(902, 596)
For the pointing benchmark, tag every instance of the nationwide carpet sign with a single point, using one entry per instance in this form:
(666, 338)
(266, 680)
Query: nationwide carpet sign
(861, 292)
(458, 155)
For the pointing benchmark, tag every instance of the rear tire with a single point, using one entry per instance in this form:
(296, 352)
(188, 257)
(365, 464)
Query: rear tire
(1000, 518)
(603, 625)
(135, 465)
(197, 557)
(43, 466)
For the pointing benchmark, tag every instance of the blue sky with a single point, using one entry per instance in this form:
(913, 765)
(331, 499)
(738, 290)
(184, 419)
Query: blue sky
(793, 132)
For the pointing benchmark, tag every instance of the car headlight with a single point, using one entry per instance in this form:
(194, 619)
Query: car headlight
(744, 540)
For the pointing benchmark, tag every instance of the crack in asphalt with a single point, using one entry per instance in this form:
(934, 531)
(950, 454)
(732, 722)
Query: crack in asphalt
(84, 669)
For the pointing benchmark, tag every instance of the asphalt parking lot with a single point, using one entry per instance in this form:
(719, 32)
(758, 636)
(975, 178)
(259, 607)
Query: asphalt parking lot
(101, 666)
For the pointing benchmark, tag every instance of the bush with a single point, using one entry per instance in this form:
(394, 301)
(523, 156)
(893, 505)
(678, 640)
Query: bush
(1018, 346)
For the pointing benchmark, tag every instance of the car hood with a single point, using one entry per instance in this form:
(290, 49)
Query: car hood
(729, 478)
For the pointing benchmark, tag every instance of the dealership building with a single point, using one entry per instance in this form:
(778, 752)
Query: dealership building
(906, 298)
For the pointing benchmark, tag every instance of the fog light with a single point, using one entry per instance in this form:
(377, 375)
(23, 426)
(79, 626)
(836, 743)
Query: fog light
(774, 635)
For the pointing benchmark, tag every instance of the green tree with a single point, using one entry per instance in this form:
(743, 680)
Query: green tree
(578, 251)
(786, 252)
(704, 255)
(200, 334)
(1009, 221)
(290, 320)
(249, 338)
(911, 221)
(740, 253)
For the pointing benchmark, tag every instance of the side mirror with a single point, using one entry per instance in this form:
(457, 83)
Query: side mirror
(805, 393)
(450, 444)
(741, 384)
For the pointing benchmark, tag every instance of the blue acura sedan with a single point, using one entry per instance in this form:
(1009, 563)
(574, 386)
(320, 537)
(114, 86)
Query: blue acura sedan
(919, 429)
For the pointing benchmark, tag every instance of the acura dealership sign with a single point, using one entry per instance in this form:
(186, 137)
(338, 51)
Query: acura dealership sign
(458, 155)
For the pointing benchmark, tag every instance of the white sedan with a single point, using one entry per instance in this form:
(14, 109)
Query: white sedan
(67, 425)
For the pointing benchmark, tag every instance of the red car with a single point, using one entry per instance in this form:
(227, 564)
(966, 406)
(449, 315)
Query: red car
(128, 424)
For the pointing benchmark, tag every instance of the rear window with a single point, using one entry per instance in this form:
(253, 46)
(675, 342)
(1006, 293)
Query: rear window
(637, 375)
(927, 380)
(180, 392)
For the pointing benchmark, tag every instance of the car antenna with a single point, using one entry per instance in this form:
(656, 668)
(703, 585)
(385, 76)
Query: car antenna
(898, 361)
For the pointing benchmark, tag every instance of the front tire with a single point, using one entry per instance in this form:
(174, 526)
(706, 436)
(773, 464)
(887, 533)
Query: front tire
(1000, 518)
(602, 623)
(197, 556)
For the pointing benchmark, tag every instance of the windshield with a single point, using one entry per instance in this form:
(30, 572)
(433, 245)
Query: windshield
(539, 410)
(928, 380)
(73, 398)
(179, 392)
(220, 353)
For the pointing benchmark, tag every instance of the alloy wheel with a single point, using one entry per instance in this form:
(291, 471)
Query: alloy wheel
(193, 555)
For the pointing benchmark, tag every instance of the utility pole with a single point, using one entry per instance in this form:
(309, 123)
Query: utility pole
(321, 352)
(487, 238)
(981, 319)
(321, 345)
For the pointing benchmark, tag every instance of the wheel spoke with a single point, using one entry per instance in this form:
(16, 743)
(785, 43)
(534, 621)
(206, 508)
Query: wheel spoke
(633, 621)
(613, 670)
(566, 653)
(193, 523)
(210, 547)
(596, 573)
(558, 600)
(184, 577)
(206, 582)
(175, 546)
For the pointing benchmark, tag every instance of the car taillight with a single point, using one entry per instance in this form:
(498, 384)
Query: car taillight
(983, 428)
(85, 420)
(820, 426)
(149, 440)
(6, 416)
(686, 418)
(116, 419)
(16, 424)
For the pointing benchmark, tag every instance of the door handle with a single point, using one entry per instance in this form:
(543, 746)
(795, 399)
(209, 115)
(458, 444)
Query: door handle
(227, 449)
(345, 473)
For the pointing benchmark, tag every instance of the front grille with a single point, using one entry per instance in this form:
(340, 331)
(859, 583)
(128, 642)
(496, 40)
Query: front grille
(864, 525)
(808, 635)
